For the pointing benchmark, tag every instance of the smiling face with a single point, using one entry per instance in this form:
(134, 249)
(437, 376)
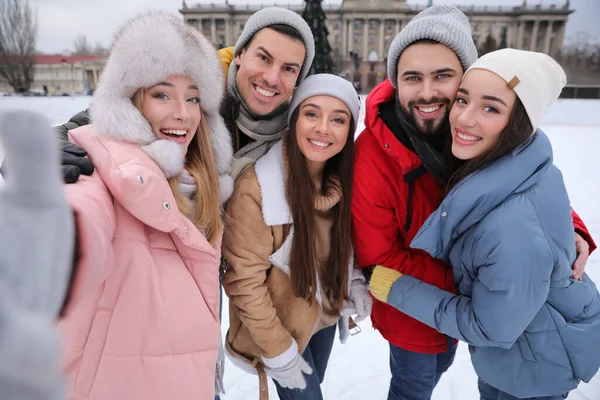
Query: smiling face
(322, 128)
(482, 110)
(268, 70)
(428, 76)
(173, 109)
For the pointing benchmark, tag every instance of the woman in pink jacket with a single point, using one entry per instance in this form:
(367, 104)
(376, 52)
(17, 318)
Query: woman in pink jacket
(143, 318)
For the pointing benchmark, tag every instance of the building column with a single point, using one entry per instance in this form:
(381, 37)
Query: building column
(213, 30)
(397, 27)
(350, 37)
(509, 33)
(520, 34)
(381, 38)
(344, 35)
(559, 38)
(548, 37)
(229, 31)
(365, 50)
(536, 28)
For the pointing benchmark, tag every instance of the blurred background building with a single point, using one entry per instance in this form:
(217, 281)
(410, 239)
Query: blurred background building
(361, 31)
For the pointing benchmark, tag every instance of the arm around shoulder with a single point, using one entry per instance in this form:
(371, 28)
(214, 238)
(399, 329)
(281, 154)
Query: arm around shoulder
(377, 235)
(80, 119)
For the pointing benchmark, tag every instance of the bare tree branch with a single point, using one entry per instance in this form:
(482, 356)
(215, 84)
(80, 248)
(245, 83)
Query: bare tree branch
(18, 33)
(81, 46)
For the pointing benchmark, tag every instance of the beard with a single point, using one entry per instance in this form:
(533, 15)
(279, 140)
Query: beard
(429, 126)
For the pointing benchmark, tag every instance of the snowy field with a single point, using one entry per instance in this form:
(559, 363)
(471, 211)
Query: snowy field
(359, 369)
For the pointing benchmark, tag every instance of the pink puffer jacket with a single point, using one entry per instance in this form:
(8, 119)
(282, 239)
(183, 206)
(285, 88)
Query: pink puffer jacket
(143, 321)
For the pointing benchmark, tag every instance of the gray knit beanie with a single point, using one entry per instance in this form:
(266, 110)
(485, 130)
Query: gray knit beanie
(444, 24)
(327, 85)
(275, 16)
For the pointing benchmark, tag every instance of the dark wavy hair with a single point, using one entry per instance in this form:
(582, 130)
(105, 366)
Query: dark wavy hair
(301, 192)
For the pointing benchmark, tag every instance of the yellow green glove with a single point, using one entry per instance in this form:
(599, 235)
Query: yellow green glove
(381, 282)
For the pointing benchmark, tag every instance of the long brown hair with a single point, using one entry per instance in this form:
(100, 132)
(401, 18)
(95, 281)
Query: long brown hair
(200, 163)
(301, 193)
(516, 132)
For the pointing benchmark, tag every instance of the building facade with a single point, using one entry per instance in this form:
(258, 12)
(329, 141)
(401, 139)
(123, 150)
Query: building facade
(56, 74)
(361, 31)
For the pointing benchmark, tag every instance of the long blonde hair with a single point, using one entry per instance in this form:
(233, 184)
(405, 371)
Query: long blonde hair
(200, 163)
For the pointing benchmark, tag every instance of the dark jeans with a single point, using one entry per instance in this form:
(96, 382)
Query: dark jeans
(488, 392)
(316, 355)
(414, 375)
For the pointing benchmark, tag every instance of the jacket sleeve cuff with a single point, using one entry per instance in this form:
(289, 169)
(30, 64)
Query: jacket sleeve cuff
(283, 359)
(381, 282)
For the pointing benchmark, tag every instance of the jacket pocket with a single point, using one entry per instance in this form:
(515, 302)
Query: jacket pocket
(525, 348)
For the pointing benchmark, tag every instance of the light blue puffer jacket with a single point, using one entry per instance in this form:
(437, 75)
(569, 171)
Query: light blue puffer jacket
(507, 230)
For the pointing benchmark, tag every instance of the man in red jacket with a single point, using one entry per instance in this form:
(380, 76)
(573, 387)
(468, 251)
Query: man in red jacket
(398, 183)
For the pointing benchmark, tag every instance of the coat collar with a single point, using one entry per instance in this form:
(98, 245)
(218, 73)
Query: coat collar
(473, 198)
(138, 185)
(270, 171)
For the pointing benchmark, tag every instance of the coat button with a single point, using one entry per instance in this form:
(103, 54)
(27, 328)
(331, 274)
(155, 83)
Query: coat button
(140, 179)
(444, 213)
(185, 228)
(166, 206)
(387, 146)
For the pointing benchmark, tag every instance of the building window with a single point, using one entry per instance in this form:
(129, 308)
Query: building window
(372, 24)
(357, 39)
(357, 23)
(389, 25)
(338, 24)
(241, 27)
(206, 24)
(371, 39)
(220, 24)
(475, 27)
(337, 39)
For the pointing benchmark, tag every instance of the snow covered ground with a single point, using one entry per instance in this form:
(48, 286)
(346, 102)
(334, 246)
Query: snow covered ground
(359, 369)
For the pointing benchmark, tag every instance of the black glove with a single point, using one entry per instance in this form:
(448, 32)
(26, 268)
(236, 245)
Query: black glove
(367, 272)
(74, 162)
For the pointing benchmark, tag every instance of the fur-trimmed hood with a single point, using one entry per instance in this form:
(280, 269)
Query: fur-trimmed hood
(145, 51)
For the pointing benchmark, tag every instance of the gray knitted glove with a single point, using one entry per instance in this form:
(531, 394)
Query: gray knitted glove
(36, 255)
(361, 301)
(292, 375)
(288, 369)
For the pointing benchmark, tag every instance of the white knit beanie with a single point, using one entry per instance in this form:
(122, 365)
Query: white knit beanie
(327, 85)
(279, 16)
(444, 24)
(535, 77)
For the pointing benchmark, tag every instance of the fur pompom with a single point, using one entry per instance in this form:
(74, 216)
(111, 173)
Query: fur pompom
(169, 156)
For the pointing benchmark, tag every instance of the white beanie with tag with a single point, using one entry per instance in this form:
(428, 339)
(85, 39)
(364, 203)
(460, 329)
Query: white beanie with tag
(536, 78)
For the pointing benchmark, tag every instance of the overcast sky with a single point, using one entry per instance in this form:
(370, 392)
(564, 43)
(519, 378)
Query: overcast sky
(61, 21)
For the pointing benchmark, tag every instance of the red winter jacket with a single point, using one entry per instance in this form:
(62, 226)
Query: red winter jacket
(392, 197)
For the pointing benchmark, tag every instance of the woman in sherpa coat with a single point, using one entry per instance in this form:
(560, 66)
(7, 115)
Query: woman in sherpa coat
(287, 242)
(506, 228)
(143, 319)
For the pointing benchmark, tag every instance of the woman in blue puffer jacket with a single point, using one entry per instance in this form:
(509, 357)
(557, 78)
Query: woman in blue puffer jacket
(505, 226)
